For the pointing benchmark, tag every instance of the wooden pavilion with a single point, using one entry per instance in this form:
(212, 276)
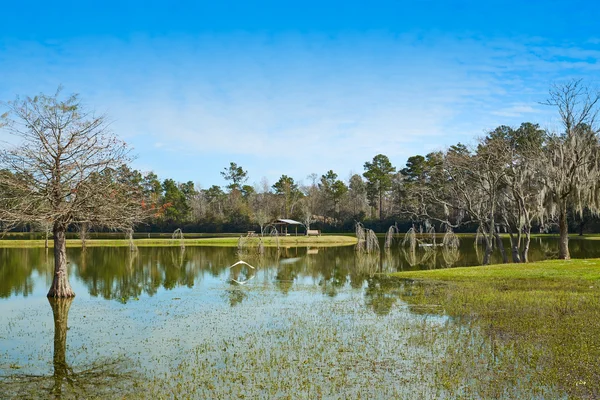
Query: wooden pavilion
(283, 224)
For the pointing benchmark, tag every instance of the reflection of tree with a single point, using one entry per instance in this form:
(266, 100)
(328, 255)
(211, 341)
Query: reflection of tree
(284, 279)
(381, 294)
(16, 267)
(389, 263)
(62, 372)
(334, 275)
(451, 255)
(366, 264)
(425, 256)
(105, 378)
(117, 273)
(235, 294)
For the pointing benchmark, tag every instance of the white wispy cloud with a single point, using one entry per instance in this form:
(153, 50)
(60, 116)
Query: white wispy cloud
(297, 103)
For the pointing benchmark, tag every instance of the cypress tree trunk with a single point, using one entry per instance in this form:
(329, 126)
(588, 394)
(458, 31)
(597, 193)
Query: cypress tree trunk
(563, 251)
(488, 234)
(487, 255)
(501, 247)
(525, 254)
(515, 244)
(60, 283)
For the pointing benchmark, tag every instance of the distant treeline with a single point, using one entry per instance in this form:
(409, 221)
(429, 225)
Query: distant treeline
(514, 180)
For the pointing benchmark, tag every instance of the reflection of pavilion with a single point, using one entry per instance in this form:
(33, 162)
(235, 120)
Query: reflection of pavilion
(282, 225)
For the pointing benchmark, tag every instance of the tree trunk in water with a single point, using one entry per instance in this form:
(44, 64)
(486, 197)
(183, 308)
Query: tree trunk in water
(501, 247)
(525, 254)
(60, 311)
(83, 234)
(514, 247)
(563, 251)
(60, 284)
(488, 251)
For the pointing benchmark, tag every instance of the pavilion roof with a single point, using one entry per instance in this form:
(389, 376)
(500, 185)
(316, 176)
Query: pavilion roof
(287, 221)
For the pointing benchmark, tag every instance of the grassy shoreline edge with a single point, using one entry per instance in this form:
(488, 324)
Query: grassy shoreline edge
(586, 269)
(299, 241)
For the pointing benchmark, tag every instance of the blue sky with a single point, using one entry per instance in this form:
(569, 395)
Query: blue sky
(298, 87)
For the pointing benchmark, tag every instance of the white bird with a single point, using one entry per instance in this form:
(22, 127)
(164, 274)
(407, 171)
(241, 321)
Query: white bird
(242, 262)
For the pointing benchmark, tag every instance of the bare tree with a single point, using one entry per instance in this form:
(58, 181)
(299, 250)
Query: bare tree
(306, 212)
(262, 205)
(457, 187)
(67, 169)
(357, 196)
(571, 164)
(476, 183)
(521, 199)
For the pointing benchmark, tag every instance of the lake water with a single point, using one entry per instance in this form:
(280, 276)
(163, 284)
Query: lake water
(303, 323)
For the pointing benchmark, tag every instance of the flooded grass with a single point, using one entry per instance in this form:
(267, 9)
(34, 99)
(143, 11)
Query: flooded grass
(543, 316)
(321, 350)
(167, 324)
(300, 345)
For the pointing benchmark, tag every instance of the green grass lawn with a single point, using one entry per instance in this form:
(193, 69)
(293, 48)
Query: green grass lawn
(551, 270)
(543, 315)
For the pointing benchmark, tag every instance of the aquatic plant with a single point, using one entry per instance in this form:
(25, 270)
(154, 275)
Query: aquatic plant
(359, 230)
(389, 236)
(367, 239)
(275, 233)
(366, 263)
(371, 241)
(129, 235)
(178, 234)
(241, 244)
(450, 251)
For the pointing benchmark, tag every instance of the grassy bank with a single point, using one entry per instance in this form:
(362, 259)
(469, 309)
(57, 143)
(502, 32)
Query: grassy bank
(316, 241)
(569, 270)
(544, 315)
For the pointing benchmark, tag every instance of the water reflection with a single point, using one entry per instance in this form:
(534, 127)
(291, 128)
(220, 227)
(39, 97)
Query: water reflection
(94, 379)
(62, 372)
(381, 294)
(194, 300)
(17, 269)
(119, 274)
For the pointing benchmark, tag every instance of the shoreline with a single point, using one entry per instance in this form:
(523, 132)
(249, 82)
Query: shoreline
(268, 241)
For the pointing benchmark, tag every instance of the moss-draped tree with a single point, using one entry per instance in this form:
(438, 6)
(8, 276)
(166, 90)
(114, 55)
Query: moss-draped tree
(571, 162)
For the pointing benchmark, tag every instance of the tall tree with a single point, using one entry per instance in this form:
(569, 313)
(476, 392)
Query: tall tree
(262, 205)
(379, 178)
(63, 170)
(152, 187)
(177, 207)
(357, 191)
(521, 200)
(215, 198)
(333, 189)
(572, 158)
(235, 175)
(415, 171)
(289, 191)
